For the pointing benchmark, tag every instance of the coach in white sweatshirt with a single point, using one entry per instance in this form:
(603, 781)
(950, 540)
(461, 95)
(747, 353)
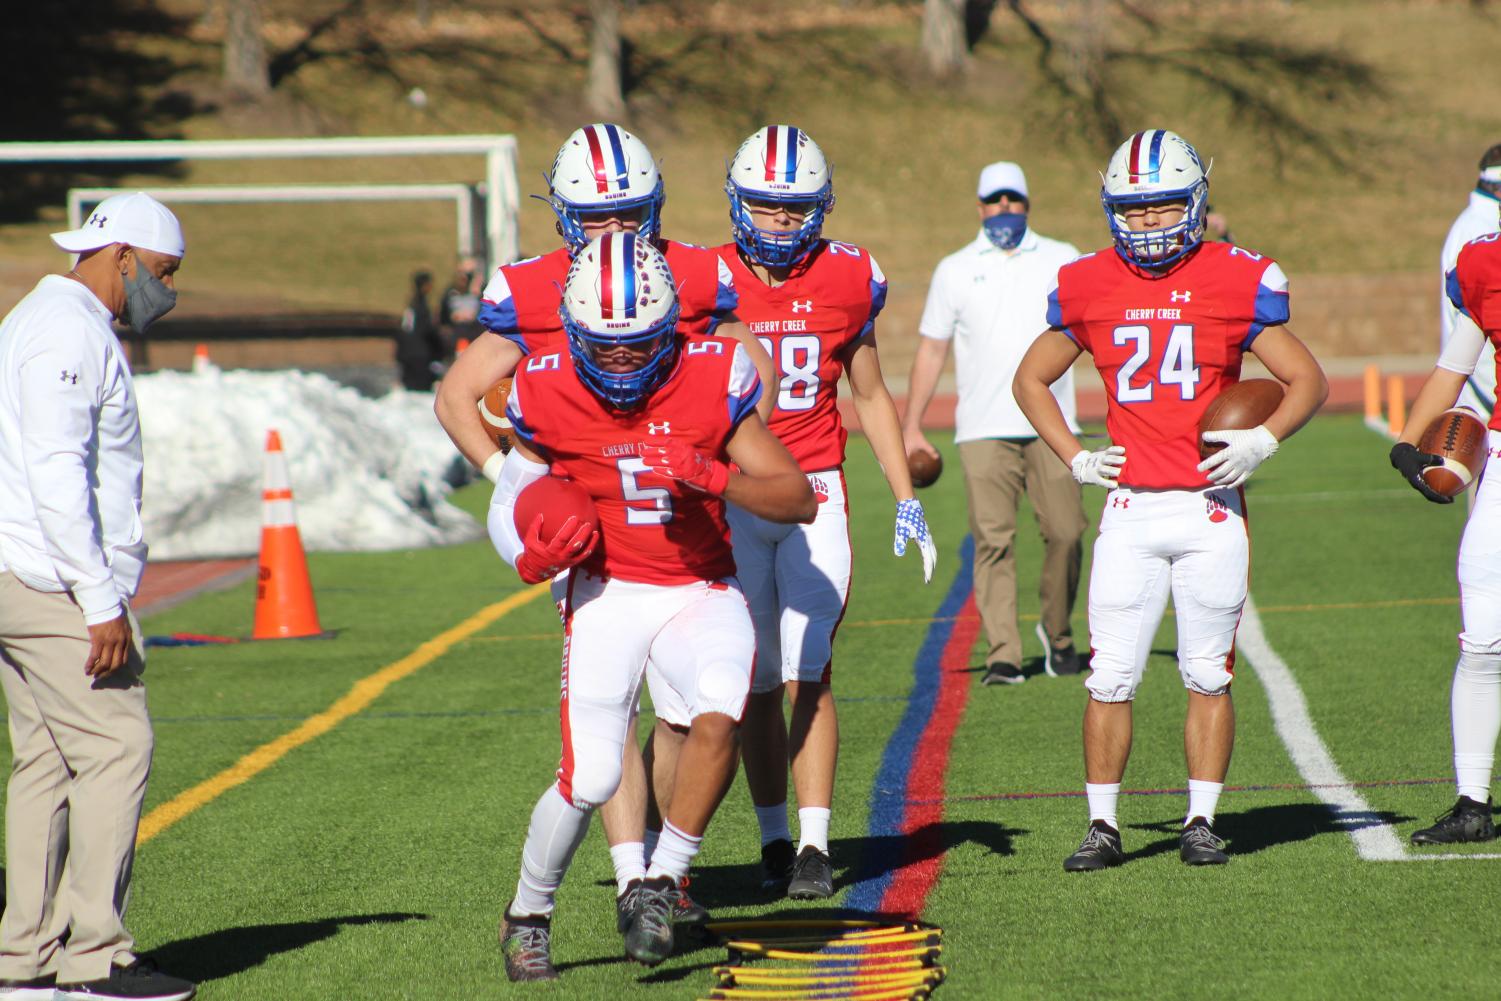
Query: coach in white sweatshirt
(71, 556)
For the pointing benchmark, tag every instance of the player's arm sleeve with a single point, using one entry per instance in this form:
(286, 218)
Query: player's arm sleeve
(497, 311)
(1461, 351)
(877, 298)
(1270, 307)
(744, 390)
(1058, 318)
(726, 298)
(516, 475)
(60, 380)
(938, 313)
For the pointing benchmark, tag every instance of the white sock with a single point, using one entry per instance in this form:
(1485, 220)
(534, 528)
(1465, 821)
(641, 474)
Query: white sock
(773, 823)
(1475, 709)
(1102, 797)
(556, 830)
(674, 854)
(813, 827)
(629, 858)
(649, 845)
(1203, 797)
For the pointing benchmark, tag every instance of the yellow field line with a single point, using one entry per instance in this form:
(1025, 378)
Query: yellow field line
(364, 692)
(881, 623)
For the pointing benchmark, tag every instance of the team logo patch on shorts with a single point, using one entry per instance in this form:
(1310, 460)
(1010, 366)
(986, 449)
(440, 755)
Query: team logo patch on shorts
(820, 488)
(1215, 509)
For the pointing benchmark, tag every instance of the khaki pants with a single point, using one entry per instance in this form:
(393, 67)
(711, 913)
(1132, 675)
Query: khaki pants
(82, 751)
(996, 472)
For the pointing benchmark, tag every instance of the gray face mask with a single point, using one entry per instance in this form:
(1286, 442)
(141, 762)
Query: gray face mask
(146, 299)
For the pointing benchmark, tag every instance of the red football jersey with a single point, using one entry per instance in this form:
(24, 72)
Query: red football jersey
(653, 529)
(830, 301)
(1166, 345)
(1474, 286)
(521, 301)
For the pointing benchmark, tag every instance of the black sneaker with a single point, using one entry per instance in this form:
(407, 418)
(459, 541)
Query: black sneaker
(1469, 820)
(36, 989)
(1198, 845)
(1002, 674)
(1100, 849)
(776, 865)
(626, 904)
(1057, 660)
(687, 913)
(140, 981)
(526, 944)
(648, 940)
(812, 875)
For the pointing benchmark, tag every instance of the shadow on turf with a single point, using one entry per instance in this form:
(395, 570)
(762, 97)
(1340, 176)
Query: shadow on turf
(229, 951)
(1263, 827)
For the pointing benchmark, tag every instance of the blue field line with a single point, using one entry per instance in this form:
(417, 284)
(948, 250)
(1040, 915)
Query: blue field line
(888, 796)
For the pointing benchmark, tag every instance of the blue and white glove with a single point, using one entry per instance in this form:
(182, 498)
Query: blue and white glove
(910, 524)
(1243, 452)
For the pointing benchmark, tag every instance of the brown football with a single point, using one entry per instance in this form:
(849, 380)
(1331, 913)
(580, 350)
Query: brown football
(1239, 407)
(924, 467)
(492, 410)
(1457, 435)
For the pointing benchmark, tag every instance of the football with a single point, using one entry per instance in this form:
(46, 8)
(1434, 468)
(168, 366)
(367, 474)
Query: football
(924, 468)
(1240, 407)
(492, 410)
(1457, 435)
(555, 499)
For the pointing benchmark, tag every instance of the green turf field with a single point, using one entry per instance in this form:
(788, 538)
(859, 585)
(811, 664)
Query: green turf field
(373, 861)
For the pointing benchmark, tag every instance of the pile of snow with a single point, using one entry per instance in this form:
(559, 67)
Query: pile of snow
(366, 474)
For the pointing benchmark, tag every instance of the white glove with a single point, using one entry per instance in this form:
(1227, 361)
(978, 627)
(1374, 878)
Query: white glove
(911, 524)
(1243, 452)
(1101, 468)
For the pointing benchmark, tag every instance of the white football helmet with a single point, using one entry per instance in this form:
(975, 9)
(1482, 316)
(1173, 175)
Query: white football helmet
(603, 167)
(620, 291)
(1155, 166)
(780, 163)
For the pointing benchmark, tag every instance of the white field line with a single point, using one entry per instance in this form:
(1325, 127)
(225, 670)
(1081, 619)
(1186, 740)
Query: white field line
(1375, 840)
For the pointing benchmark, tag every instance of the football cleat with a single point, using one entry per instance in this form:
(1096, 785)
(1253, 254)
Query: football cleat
(812, 875)
(687, 913)
(648, 940)
(776, 865)
(626, 904)
(1100, 849)
(1198, 845)
(526, 944)
(1468, 820)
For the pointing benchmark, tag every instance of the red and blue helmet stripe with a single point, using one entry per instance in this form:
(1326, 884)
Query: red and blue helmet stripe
(608, 156)
(617, 277)
(1145, 161)
(781, 153)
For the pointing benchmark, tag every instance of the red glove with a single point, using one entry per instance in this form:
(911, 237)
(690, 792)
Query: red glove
(679, 460)
(541, 561)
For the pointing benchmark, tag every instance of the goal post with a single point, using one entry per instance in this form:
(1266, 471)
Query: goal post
(500, 187)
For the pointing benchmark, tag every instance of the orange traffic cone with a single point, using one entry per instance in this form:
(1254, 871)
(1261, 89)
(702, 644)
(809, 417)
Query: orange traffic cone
(462, 346)
(201, 361)
(284, 606)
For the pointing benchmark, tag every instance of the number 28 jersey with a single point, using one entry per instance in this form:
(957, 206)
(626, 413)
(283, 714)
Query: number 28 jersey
(828, 302)
(1474, 287)
(1166, 345)
(652, 529)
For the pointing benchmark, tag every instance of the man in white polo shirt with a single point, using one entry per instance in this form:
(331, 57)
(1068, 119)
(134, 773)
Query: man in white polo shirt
(990, 299)
(71, 556)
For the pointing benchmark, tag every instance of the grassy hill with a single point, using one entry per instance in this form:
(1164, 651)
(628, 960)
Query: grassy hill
(1342, 146)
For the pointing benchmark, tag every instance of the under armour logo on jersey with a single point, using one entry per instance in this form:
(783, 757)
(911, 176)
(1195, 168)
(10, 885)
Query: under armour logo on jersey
(70, 377)
(1180, 296)
(664, 428)
(802, 306)
(1120, 502)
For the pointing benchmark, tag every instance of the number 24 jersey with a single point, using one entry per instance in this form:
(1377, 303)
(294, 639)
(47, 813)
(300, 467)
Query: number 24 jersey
(1166, 345)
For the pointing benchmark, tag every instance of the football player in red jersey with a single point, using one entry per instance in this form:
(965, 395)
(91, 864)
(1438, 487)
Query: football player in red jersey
(1474, 287)
(813, 303)
(1167, 318)
(647, 420)
(603, 180)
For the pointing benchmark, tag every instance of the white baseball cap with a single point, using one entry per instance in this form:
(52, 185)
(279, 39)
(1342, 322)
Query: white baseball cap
(1002, 176)
(136, 219)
